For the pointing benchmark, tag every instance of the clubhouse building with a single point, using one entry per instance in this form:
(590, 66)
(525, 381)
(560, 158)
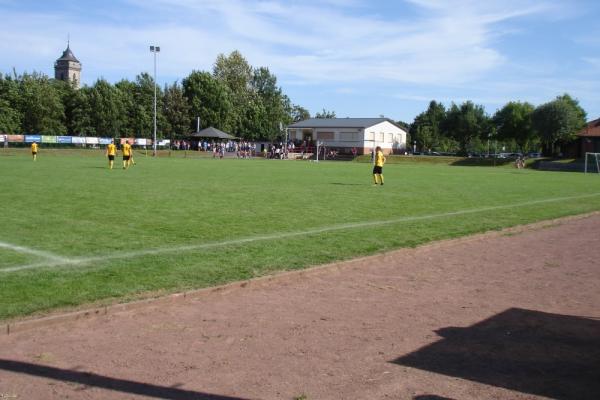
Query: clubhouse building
(346, 134)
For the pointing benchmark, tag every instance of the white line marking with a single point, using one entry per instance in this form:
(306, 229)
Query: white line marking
(282, 235)
(27, 250)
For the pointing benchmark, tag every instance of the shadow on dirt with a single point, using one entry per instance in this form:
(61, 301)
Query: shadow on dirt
(532, 352)
(105, 382)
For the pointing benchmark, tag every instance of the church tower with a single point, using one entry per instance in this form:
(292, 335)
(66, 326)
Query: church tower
(68, 68)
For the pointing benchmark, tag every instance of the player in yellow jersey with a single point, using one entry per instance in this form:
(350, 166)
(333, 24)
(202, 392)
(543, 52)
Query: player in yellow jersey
(378, 168)
(34, 150)
(131, 160)
(111, 152)
(126, 149)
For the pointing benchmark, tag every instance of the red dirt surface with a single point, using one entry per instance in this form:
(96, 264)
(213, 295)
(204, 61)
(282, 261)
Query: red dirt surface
(504, 315)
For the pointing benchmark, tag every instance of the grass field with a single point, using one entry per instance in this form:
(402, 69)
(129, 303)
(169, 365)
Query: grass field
(73, 232)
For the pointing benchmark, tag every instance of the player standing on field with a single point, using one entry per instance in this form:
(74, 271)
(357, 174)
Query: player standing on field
(34, 150)
(131, 160)
(111, 151)
(378, 168)
(126, 149)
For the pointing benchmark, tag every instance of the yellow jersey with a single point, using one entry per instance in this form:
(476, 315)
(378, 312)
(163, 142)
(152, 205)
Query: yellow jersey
(126, 149)
(379, 159)
(34, 147)
(111, 149)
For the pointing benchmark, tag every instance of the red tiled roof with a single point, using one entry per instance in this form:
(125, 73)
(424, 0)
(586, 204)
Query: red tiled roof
(592, 129)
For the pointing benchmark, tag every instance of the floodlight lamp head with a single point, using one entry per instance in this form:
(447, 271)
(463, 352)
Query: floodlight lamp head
(151, 48)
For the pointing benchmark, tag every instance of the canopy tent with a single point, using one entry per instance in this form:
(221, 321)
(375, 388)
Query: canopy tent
(211, 132)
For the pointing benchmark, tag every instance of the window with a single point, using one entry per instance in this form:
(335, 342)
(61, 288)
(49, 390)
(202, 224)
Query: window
(324, 135)
(349, 136)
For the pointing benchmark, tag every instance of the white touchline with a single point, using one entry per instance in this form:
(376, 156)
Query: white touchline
(61, 261)
(27, 250)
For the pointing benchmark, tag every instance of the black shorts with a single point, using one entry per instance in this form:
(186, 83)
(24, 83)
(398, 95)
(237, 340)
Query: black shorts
(377, 170)
(111, 157)
(34, 152)
(126, 158)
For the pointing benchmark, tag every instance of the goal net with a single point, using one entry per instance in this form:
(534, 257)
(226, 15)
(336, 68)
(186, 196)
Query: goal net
(592, 163)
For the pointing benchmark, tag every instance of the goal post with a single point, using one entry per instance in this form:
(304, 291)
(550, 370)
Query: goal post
(592, 163)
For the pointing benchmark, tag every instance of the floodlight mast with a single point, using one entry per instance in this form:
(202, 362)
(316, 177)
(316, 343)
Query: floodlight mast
(154, 50)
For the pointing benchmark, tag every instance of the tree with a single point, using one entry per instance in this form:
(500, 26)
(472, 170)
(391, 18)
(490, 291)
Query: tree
(255, 122)
(465, 122)
(75, 104)
(558, 121)
(236, 98)
(209, 99)
(137, 98)
(426, 127)
(176, 111)
(324, 114)
(10, 115)
(107, 111)
(513, 122)
(41, 106)
(273, 103)
(299, 113)
(79, 111)
(131, 120)
(404, 125)
(580, 114)
(235, 72)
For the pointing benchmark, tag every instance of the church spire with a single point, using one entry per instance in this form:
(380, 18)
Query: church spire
(68, 67)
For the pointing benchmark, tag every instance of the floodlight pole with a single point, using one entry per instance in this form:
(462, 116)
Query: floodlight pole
(154, 50)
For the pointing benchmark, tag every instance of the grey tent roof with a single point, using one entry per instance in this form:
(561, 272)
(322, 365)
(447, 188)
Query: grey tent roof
(211, 132)
(68, 55)
(339, 122)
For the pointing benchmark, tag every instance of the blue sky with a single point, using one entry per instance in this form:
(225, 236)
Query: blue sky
(358, 58)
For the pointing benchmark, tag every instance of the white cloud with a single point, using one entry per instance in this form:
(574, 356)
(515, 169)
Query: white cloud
(319, 41)
(594, 61)
(438, 47)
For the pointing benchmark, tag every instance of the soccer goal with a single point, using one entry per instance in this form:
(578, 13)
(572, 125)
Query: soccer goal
(592, 163)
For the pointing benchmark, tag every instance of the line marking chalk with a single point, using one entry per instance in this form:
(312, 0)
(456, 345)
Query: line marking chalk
(55, 261)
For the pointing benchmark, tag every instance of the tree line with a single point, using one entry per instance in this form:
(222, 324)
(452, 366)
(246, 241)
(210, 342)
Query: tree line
(519, 126)
(235, 97)
(247, 102)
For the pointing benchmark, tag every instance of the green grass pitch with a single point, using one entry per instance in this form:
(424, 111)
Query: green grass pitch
(73, 232)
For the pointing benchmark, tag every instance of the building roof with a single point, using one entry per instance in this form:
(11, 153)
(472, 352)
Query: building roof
(211, 132)
(340, 122)
(592, 129)
(68, 56)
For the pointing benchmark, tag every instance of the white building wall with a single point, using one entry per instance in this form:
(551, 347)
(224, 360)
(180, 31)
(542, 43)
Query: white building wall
(386, 135)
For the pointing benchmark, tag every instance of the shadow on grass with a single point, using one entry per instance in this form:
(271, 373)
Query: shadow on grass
(532, 352)
(482, 162)
(105, 382)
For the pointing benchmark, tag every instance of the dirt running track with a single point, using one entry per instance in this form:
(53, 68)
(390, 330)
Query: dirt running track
(505, 315)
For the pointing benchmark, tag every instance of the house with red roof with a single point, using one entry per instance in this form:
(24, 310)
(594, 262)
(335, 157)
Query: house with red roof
(588, 139)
